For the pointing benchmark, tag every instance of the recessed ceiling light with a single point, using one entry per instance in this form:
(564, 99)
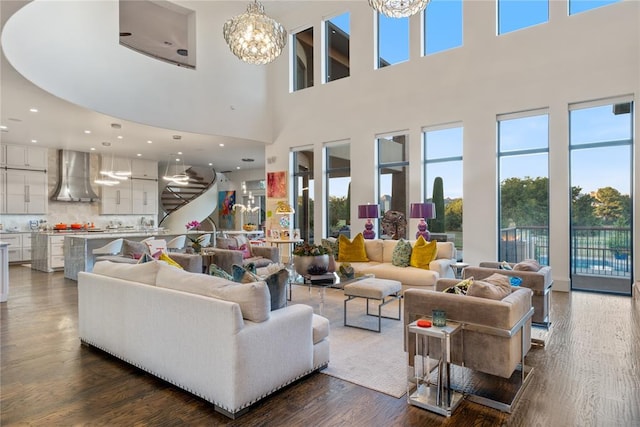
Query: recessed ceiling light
(92, 148)
(237, 167)
(3, 127)
(210, 164)
(33, 110)
(177, 137)
(139, 155)
(106, 144)
(116, 125)
(119, 136)
(87, 131)
(247, 159)
(149, 142)
(180, 153)
(34, 140)
(221, 145)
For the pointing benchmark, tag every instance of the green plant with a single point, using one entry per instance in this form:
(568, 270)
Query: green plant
(436, 225)
(309, 249)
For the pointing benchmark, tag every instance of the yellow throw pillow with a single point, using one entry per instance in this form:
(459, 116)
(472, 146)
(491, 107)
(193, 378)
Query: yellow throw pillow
(352, 251)
(423, 253)
(166, 258)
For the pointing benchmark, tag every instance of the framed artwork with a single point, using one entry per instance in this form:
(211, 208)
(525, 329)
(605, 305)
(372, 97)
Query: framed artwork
(226, 214)
(296, 234)
(284, 234)
(277, 184)
(275, 234)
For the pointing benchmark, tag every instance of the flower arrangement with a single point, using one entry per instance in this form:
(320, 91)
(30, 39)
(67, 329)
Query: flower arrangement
(308, 249)
(192, 225)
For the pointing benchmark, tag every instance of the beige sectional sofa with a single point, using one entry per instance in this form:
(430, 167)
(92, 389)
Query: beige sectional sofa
(380, 252)
(214, 338)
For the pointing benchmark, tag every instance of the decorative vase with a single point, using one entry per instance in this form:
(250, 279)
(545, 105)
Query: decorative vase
(318, 264)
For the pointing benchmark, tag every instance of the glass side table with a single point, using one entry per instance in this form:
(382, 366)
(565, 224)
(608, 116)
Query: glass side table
(457, 269)
(439, 397)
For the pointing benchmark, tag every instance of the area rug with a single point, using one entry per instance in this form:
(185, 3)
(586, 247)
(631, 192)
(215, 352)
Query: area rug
(373, 360)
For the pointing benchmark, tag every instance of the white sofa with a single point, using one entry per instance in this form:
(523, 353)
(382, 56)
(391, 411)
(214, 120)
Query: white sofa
(200, 339)
(380, 252)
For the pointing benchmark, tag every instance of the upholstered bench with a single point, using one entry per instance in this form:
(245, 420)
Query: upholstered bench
(377, 289)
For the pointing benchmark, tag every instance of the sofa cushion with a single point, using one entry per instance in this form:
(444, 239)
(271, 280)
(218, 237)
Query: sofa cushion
(225, 242)
(446, 250)
(423, 253)
(133, 249)
(216, 271)
(401, 254)
(142, 273)
(352, 250)
(496, 287)
(388, 245)
(253, 298)
(373, 249)
(527, 265)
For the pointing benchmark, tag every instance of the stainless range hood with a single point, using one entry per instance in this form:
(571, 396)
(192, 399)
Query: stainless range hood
(74, 179)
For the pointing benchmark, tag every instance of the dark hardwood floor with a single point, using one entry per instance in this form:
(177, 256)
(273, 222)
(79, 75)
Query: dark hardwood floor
(587, 375)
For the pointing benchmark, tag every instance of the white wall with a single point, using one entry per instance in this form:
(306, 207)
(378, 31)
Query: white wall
(583, 57)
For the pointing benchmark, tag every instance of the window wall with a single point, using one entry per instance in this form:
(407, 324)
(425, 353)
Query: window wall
(442, 26)
(443, 178)
(338, 188)
(393, 40)
(337, 48)
(393, 183)
(523, 192)
(515, 15)
(302, 161)
(302, 59)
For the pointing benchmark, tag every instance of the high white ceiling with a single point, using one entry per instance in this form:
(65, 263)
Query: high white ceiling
(62, 124)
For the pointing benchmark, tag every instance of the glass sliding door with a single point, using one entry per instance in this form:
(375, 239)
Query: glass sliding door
(303, 192)
(601, 147)
(338, 186)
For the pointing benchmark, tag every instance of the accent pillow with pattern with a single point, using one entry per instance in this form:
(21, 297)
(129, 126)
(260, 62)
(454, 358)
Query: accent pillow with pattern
(401, 256)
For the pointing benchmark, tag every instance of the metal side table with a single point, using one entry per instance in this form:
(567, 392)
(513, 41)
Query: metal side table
(439, 397)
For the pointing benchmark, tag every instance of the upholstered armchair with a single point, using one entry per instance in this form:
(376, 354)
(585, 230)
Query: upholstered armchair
(539, 282)
(237, 250)
(495, 336)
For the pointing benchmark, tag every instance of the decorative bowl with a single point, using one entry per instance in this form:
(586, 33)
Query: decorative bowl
(249, 227)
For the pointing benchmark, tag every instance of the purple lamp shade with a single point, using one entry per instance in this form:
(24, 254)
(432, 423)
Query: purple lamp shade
(368, 211)
(422, 211)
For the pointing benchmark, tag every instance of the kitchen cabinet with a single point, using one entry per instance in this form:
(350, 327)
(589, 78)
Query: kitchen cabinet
(56, 252)
(25, 156)
(48, 252)
(16, 250)
(26, 192)
(144, 197)
(145, 169)
(116, 200)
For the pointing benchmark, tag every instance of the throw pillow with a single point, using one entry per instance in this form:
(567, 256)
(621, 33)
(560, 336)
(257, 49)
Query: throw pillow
(332, 246)
(143, 273)
(166, 258)
(515, 281)
(277, 284)
(246, 252)
(242, 275)
(133, 249)
(527, 265)
(504, 265)
(423, 253)
(401, 254)
(214, 270)
(145, 258)
(225, 242)
(460, 288)
(496, 287)
(352, 250)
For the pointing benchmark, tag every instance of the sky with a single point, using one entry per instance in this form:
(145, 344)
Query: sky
(444, 28)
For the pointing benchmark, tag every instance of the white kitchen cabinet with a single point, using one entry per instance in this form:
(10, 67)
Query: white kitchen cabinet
(3, 192)
(145, 169)
(15, 245)
(116, 200)
(26, 156)
(56, 252)
(26, 192)
(144, 197)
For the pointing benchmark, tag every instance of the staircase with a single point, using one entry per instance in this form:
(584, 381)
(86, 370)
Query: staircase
(196, 200)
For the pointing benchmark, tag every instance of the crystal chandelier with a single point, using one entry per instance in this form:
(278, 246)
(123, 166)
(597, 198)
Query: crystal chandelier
(398, 8)
(254, 37)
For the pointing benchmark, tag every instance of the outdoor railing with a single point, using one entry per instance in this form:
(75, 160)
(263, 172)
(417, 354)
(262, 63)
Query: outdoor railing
(602, 251)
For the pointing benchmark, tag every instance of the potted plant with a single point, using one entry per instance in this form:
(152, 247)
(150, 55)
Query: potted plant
(310, 259)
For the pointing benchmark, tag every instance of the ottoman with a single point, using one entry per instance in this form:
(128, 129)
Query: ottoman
(382, 290)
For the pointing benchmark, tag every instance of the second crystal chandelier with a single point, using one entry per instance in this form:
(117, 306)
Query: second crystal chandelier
(398, 8)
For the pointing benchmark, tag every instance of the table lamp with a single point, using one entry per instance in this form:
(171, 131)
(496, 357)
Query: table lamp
(423, 211)
(368, 212)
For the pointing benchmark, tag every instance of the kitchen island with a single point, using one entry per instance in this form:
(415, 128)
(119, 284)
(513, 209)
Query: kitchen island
(78, 248)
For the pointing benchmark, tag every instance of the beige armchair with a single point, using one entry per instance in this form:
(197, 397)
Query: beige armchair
(539, 282)
(495, 337)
